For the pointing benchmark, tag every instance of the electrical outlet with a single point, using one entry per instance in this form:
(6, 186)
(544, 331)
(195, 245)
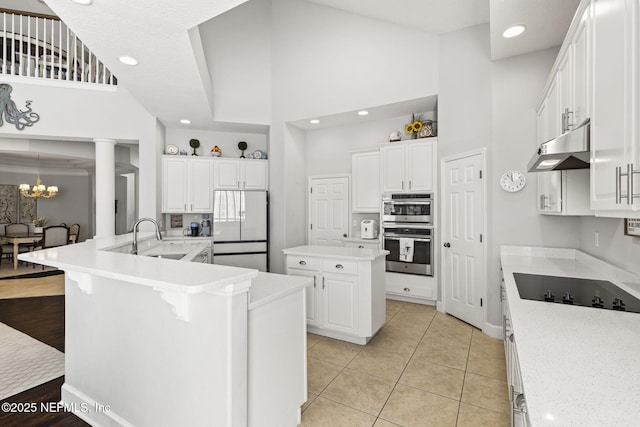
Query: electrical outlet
(596, 239)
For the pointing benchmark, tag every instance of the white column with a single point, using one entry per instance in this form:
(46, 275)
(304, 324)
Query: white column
(105, 187)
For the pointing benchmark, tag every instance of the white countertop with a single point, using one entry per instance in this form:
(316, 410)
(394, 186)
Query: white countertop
(100, 257)
(336, 252)
(580, 366)
(359, 239)
(268, 287)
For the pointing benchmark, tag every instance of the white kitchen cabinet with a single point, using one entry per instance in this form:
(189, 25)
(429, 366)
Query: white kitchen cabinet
(187, 185)
(240, 174)
(565, 106)
(365, 182)
(564, 192)
(411, 287)
(551, 119)
(311, 299)
(409, 166)
(549, 192)
(581, 57)
(517, 398)
(615, 136)
(347, 301)
(340, 301)
(370, 244)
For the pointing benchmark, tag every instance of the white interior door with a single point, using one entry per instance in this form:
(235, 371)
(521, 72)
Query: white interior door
(463, 252)
(329, 211)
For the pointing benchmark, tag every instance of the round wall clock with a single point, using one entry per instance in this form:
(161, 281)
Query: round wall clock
(512, 181)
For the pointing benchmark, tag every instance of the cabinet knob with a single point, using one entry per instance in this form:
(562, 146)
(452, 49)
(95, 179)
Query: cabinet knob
(303, 263)
(344, 235)
(360, 247)
(407, 289)
(339, 266)
(447, 245)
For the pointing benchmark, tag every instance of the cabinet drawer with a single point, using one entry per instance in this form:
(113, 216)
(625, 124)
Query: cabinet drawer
(306, 263)
(339, 266)
(361, 245)
(411, 290)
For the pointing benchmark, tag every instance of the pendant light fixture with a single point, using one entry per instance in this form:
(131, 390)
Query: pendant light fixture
(39, 190)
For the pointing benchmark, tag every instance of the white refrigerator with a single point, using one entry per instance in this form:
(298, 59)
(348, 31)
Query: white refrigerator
(240, 228)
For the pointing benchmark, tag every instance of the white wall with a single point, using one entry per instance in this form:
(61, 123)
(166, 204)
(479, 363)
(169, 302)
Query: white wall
(492, 104)
(517, 89)
(237, 45)
(70, 112)
(71, 205)
(614, 247)
(329, 150)
(326, 61)
(227, 141)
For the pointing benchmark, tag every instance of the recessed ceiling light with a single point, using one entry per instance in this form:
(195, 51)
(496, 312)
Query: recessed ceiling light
(314, 121)
(185, 122)
(363, 113)
(83, 2)
(128, 60)
(514, 31)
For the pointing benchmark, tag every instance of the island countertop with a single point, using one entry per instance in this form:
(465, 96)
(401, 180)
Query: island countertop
(356, 254)
(578, 364)
(268, 287)
(101, 257)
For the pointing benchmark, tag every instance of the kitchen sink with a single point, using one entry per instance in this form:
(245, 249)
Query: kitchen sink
(168, 256)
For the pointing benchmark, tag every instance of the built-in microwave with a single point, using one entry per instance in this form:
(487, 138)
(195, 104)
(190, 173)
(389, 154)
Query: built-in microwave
(401, 207)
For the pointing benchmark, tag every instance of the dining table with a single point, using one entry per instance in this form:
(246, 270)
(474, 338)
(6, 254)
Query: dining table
(18, 238)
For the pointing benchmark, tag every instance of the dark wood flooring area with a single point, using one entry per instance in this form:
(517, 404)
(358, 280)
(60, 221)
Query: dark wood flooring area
(43, 319)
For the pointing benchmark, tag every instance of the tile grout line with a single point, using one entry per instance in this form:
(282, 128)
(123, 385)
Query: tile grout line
(345, 367)
(464, 377)
(405, 367)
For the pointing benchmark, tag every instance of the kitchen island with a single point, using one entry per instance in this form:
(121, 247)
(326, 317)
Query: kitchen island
(578, 365)
(347, 301)
(151, 341)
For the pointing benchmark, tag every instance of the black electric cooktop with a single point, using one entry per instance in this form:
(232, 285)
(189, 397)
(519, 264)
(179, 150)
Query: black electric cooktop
(568, 290)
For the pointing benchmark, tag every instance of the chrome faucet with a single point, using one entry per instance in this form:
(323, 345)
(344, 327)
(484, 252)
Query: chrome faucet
(134, 245)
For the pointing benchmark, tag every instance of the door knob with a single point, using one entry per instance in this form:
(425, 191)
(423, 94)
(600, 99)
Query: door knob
(447, 245)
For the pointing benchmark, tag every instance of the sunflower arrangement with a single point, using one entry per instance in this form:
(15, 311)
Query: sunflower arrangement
(414, 127)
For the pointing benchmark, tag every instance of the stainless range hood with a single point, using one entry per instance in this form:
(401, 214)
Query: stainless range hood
(570, 150)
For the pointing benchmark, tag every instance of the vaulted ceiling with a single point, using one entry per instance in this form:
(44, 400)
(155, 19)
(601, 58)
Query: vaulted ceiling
(172, 80)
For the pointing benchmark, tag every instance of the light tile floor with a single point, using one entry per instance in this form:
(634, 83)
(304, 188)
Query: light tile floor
(423, 368)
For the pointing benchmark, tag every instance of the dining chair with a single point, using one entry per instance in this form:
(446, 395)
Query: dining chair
(18, 228)
(54, 236)
(74, 231)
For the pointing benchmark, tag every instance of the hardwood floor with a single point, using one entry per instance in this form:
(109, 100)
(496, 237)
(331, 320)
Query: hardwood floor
(43, 319)
(39, 317)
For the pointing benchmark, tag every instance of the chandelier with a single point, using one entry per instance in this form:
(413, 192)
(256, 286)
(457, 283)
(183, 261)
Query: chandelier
(39, 190)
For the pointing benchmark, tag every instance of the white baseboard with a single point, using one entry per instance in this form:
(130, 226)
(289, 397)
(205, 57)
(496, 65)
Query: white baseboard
(411, 299)
(339, 335)
(89, 410)
(492, 330)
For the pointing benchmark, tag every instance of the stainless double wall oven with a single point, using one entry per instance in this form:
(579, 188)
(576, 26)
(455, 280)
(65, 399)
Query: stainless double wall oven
(408, 232)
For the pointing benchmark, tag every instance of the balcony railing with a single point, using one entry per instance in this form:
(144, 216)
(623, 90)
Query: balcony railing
(43, 47)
